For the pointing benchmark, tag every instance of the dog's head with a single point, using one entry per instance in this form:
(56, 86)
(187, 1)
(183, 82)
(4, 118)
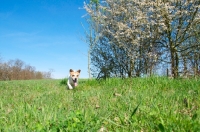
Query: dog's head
(74, 75)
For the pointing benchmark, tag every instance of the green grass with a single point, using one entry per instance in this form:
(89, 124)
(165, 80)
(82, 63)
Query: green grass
(138, 104)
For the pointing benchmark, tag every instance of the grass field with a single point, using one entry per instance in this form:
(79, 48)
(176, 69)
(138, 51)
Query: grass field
(138, 104)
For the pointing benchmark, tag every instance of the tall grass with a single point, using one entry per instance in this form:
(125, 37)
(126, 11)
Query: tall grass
(138, 104)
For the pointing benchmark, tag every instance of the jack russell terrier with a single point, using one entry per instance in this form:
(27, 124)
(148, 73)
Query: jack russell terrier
(73, 78)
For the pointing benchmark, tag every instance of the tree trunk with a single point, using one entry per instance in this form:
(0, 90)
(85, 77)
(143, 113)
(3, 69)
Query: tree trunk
(174, 63)
(89, 64)
(184, 67)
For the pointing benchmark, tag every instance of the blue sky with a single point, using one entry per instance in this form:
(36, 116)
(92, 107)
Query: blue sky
(46, 34)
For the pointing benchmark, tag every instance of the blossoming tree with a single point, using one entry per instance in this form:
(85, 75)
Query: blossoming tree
(148, 31)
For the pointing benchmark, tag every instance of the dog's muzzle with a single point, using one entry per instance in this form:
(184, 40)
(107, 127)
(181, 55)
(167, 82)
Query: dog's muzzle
(75, 82)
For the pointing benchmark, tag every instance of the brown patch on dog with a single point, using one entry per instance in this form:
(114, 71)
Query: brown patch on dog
(74, 73)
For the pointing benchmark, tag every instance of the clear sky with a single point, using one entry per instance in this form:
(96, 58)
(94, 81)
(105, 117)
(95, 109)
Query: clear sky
(46, 34)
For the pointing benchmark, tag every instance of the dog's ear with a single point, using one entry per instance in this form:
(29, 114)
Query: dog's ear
(79, 71)
(71, 70)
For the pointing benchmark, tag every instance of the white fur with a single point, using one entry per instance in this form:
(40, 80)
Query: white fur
(70, 83)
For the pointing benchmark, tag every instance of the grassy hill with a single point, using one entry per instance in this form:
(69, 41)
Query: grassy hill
(138, 104)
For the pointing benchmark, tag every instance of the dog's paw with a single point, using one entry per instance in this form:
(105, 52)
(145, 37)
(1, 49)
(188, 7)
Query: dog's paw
(70, 88)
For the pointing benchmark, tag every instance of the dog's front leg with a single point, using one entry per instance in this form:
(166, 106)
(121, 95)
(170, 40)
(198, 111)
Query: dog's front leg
(69, 85)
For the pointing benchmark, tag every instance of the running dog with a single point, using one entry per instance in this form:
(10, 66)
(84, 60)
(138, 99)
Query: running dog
(73, 78)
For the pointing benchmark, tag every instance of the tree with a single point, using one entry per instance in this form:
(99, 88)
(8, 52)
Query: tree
(18, 70)
(125, 25)
(91, 36)
(177, 18)
(150, 32)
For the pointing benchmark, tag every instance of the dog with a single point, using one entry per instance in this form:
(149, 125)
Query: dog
(73, 78)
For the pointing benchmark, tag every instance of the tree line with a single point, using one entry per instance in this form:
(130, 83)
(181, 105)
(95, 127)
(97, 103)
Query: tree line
(134, 38)
(18, 70)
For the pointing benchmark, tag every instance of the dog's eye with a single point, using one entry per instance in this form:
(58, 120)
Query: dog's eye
(72, 75)
(77, 75)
